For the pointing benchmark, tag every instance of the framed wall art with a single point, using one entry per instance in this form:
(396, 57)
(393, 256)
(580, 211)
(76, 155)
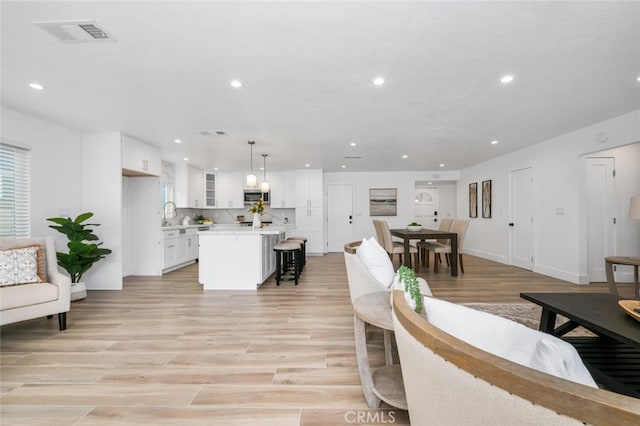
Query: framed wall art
(473, 199)
(486, 198)
(383, 202)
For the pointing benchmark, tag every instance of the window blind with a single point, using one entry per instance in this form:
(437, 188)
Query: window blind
(14, 192)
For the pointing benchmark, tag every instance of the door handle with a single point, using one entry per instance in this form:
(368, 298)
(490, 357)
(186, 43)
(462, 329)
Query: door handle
(435, 220)
(510, 223)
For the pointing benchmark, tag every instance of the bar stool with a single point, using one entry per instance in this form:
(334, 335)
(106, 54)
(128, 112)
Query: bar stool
(303, 242)
(288, 256)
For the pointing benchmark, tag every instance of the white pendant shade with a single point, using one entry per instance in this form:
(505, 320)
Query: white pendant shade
(264, 187)
(252, 181)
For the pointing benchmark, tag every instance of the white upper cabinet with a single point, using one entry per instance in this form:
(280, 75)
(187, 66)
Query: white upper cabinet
(196, 187)
(309, 188)
(224, 190)
(139, 158)
(189, 190)
(283, 189)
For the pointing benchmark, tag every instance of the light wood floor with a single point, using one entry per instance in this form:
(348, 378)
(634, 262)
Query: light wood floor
(163, 352)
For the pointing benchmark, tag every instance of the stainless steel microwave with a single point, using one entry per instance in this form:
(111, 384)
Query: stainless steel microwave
(251, 196)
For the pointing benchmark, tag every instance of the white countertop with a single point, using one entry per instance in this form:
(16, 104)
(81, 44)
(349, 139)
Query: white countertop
(172, 227)
(247, 230)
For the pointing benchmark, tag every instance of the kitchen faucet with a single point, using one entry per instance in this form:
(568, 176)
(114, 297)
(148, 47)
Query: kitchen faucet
(164, 212)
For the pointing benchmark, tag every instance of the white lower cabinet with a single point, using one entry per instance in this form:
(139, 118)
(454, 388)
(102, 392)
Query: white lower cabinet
(179, 248)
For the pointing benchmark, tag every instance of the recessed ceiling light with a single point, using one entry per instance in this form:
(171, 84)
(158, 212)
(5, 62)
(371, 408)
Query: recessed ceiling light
(236, 83)
(36, 86)
(506, 79)
(441, 164)
(186, 158)
(494, 142)
(343, 166)
(177, 141)
(378, 81)
(638, 79)
(353, 144)
(429, 183)
(307, 165)
(215, 168)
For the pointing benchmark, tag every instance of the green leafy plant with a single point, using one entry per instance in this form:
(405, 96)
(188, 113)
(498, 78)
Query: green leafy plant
(81, 255)
(407, 276)
(414, 224)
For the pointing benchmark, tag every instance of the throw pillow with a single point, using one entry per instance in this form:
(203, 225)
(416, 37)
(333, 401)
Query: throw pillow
(376, 260)
(506, 339)
(558, 358)
(19, 266)
(42, 268)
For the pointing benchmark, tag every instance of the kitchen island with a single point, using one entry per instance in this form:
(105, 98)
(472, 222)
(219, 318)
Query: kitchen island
(237, 258)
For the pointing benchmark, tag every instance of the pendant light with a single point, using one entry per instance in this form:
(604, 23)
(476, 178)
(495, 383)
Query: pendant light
(252, 179)
(264, 186)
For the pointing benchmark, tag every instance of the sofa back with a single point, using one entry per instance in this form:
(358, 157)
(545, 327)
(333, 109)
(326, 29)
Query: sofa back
(360, 280)
(50, 259)
(449, 382)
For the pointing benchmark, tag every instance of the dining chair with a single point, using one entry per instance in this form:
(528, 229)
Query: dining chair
(392, 247)
(445, 225)
(460, 227)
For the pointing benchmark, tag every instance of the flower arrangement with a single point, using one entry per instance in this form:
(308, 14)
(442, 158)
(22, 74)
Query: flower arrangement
(258, 207)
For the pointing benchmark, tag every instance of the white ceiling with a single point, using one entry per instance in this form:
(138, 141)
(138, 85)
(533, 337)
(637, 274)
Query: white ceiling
(307, 71)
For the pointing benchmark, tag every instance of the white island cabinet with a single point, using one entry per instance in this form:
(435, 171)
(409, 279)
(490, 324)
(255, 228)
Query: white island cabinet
(237, 258)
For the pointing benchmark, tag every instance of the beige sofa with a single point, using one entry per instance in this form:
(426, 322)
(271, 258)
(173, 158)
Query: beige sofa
(27, 301)
(449, 382)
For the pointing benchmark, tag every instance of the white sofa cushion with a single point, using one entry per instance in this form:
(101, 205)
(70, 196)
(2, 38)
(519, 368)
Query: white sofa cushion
(376, 260)
(20, 296)
(508, 339)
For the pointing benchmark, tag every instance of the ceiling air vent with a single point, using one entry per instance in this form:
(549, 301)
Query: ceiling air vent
(353, 157)
(75, 31)
(212, 132)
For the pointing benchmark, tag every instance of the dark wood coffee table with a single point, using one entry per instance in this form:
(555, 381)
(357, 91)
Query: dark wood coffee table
(613, 356)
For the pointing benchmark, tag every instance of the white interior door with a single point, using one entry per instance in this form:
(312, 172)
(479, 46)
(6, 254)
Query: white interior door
(600, 215)
(427, 206)
(521, 223)
(339, 216)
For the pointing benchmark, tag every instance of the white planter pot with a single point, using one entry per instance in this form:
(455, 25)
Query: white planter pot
(78, 291)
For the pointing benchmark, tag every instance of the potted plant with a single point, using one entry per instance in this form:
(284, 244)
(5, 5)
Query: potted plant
(84, 250)
(414, 226)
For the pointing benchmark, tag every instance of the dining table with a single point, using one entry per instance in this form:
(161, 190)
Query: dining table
(428, 234)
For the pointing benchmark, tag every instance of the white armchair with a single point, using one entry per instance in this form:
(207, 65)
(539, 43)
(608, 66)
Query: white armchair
(27, 301)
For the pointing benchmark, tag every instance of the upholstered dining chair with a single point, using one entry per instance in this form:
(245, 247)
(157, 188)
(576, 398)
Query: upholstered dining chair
(392, 247)
(460, 227)
(445, 225)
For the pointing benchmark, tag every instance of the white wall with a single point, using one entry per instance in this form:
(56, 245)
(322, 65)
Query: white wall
(403, 181)
(102, 195)
(55, 168)
(558, 168)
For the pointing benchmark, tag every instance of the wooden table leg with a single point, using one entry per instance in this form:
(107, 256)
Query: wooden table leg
(407, 253)
(362, 359)
(608, 267)
(454, 256)
(547, 321)
(635, 280)
(388, 352)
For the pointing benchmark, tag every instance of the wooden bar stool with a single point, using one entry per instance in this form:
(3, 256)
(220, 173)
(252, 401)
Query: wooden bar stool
(303, 242)
(288, 261)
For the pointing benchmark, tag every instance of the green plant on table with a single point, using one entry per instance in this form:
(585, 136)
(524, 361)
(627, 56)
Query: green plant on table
(407, 276)
(415, 224)
(82, 255)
